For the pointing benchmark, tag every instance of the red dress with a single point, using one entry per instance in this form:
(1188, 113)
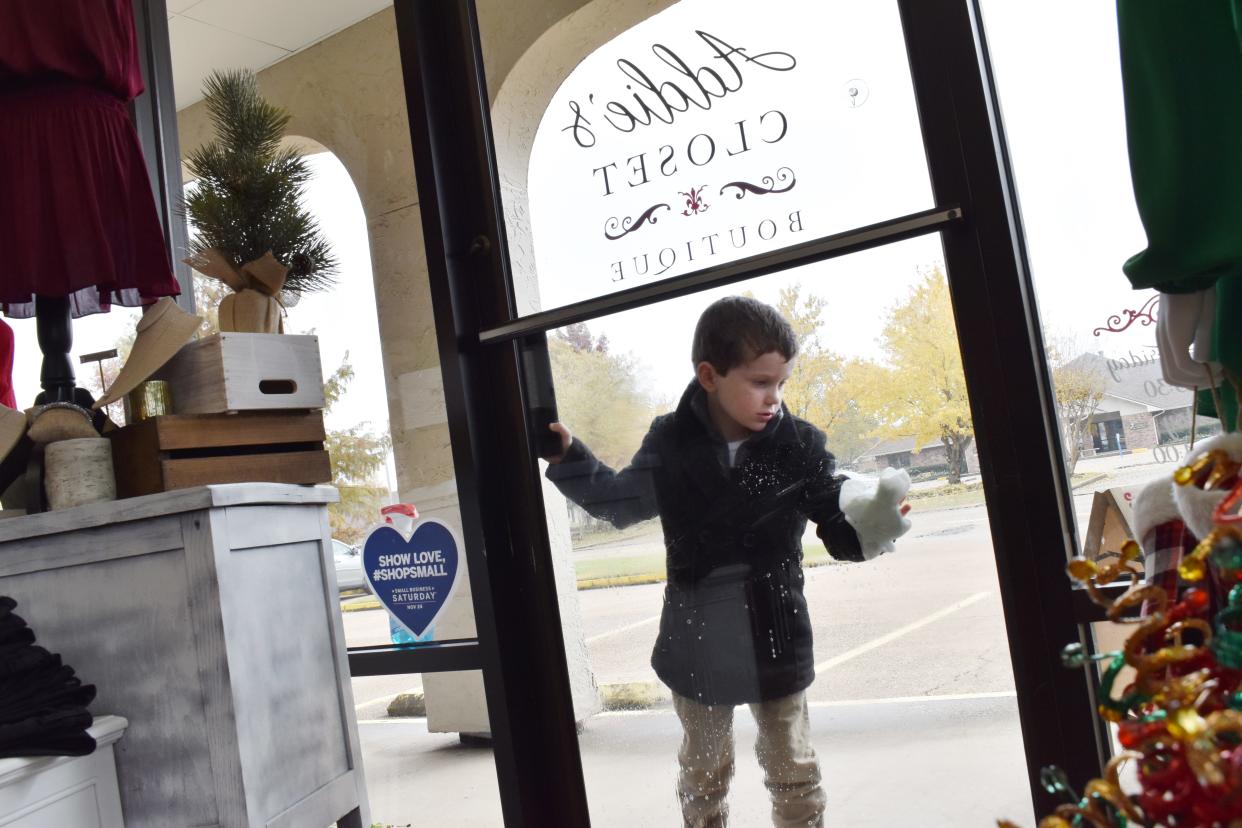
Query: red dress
(7, 397)
(77, 215)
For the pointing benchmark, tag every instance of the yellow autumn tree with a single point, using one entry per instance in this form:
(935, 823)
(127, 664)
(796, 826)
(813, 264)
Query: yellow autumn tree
(920, 391)
(816, 369)
(598, 395)
(824, 388)
(358, 455)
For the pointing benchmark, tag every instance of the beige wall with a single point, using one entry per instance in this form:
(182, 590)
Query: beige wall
(345, 93)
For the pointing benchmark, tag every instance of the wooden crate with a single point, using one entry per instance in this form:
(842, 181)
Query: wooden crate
(245, 372)
(177, 451)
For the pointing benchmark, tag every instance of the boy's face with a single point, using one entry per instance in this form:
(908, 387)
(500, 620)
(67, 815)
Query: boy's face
(744, 400)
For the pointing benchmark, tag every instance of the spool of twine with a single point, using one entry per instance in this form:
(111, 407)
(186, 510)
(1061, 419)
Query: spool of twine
(77, 472)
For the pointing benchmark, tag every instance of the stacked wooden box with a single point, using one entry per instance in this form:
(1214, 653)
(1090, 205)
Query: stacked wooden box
(248, 408)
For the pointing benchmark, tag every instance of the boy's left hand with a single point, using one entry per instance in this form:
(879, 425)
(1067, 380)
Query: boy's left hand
(877, 510)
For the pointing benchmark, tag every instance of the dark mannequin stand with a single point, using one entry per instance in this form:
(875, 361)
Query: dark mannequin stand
(55, 332)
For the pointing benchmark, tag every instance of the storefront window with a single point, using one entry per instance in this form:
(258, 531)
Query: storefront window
(702, 135)
(910, 644)
(335, 73)
(1122, 424)
(733, 563)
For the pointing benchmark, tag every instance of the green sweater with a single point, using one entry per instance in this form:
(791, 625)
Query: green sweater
(1181, 65)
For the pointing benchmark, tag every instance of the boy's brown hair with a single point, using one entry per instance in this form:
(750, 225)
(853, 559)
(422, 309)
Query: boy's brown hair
(737, 329)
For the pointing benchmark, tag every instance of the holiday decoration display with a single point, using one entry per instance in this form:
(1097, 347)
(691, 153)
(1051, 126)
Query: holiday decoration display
(1180, 717)
(252, 232)
(253, 306)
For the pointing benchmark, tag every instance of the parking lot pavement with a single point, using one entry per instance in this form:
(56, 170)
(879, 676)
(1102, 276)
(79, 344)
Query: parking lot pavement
(924, 620)
(929, 763)
(913, 709)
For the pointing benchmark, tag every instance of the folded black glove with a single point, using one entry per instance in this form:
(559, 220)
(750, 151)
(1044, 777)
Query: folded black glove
(47, 673)
(71, 743)
(42, 703)
(13, 629)
(59, 722)
(58, 733)
(35, 701)
(20, 658)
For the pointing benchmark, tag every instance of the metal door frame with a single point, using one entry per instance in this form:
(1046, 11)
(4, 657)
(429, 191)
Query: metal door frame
(1027, 490)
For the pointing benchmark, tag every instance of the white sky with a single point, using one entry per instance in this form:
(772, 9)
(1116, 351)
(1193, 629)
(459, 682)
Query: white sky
(1056, 65)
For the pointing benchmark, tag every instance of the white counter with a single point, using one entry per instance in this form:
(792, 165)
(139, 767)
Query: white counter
(59, 791)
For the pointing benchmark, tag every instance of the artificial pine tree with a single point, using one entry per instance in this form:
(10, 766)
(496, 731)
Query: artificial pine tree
(248, 198)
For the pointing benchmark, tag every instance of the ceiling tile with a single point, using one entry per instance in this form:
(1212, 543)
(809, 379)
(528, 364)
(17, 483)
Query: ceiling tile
(289, 24)
(198, 49)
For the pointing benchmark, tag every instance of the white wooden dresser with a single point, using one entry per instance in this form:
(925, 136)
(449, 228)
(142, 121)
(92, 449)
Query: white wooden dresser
(209, 619)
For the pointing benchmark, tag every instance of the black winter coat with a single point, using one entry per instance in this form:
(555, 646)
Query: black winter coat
(735, 627)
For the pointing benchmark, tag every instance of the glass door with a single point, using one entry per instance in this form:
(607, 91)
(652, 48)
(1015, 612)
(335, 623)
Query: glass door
(588, 190)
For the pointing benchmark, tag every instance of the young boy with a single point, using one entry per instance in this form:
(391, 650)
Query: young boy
(734, 478)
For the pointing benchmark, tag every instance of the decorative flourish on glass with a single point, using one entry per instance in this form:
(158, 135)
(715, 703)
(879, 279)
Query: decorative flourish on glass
(784, 176)
(694, 201)
(629, 225)
(858, 92)
(1146, 314)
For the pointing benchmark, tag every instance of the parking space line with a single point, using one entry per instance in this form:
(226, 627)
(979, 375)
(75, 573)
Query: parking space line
(626, 628)
(946, 697)
(899, 632)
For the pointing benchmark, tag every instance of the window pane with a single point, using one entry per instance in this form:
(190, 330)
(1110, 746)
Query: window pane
(335, 71)
(1122, 424)
(417, 773)
(705, 133)
(685, 589)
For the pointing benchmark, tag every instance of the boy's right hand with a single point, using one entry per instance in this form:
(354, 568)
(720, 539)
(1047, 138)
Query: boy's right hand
(566, 439)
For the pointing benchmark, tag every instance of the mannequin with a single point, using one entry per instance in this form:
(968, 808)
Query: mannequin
(78, 222)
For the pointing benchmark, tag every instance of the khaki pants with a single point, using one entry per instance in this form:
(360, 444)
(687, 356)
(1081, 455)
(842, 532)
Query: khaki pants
(783, 746)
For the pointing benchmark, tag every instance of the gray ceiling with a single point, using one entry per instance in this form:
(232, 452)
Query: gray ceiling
(249, 34)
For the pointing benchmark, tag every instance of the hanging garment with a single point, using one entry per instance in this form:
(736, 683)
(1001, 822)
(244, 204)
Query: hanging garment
(1182, 71)
(77, 214)
(7, 397)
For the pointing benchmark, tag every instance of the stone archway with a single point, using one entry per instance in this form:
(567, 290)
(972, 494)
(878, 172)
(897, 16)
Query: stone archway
(521, 102)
